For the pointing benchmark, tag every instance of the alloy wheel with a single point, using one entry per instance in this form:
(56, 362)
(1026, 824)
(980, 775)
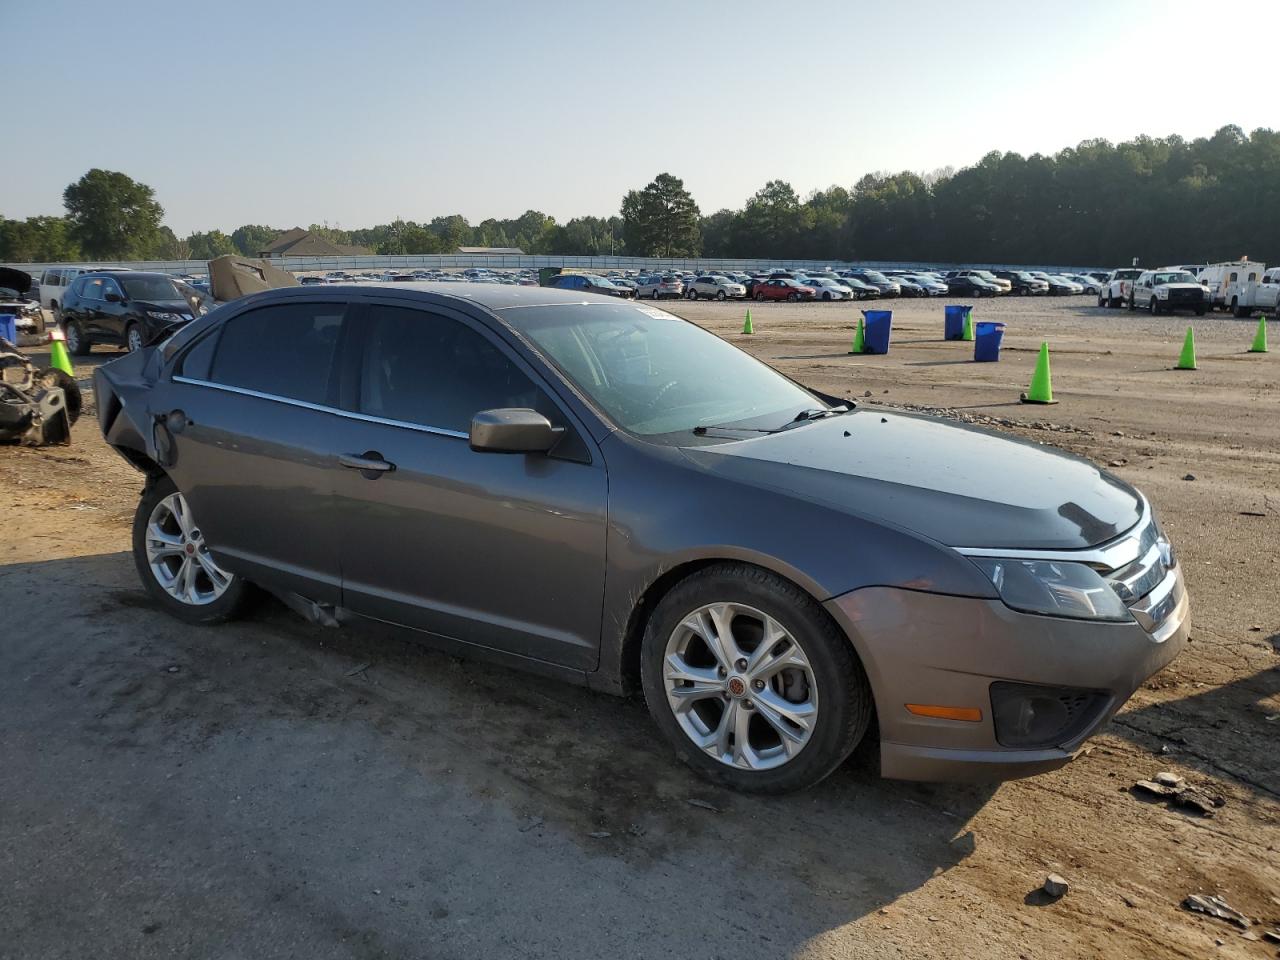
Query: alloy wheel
(740, 686)
(133, 339)
(72, 334)
(178, 556)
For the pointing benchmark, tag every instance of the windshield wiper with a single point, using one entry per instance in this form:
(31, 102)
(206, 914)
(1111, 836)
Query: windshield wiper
(816, 413)
(699, 431)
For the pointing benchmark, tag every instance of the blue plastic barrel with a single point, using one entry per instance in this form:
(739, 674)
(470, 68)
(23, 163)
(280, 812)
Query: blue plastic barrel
(986, 343)
(876, 339)
(9, 327)
(953, 321)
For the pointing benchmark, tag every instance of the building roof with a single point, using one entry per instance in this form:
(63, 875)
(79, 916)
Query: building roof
(303, 243)
(507, 250)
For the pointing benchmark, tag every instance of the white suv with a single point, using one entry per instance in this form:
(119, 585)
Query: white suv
(714, 287)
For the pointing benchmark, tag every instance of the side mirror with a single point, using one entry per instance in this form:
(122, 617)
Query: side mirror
(513, 430)
(112, 298)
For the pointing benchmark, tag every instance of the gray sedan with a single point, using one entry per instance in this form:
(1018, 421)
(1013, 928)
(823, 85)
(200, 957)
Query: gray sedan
(598, 490)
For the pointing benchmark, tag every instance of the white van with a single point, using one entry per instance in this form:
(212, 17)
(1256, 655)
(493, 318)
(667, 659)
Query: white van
(1226, 281)
(55, 280)
(1263, 295)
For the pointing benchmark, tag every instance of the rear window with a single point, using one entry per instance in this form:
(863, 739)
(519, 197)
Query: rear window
(284, 351)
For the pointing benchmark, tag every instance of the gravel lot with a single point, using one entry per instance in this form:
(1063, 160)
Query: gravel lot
(271, 789)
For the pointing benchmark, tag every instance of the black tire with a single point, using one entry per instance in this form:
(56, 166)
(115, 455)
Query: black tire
(233, 603)
(792, 297)
(1153, 306)
(759, 298)
(843, 692)
(70, 389)
(128, 335)
(721, 295)
(77, 344)
(826, 296)
(1102, 302)
(1199, 311)
(1133, 304)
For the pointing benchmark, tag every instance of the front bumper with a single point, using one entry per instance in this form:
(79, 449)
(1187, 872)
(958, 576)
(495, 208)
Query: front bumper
(924, 648)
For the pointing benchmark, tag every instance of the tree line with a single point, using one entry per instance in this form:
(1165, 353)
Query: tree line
(1164, 200)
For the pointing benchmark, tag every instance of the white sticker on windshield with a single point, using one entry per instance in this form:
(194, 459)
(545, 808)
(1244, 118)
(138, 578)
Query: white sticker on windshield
(656, 313)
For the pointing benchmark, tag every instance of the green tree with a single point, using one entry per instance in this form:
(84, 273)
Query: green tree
(112, 217)
(772, 223)
(661, 220)
(251, 239)
(37, 240)
(207, 246)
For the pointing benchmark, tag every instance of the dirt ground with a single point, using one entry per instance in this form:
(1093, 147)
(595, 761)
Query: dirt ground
(271, 789)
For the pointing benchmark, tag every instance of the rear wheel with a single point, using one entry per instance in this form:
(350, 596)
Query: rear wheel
(759, 298)
(174, 562)
(1133, 304)
(76, 342)
(751, 681)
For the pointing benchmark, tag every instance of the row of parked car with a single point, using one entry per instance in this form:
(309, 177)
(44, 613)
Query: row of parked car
(849, 284)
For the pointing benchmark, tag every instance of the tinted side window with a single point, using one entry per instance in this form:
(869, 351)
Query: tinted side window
(285, 350)
(92, 289)
(423, 368)
(197, 362)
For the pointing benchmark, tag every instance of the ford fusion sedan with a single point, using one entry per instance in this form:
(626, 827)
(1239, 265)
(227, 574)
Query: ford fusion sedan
(595, 489)
(128, 309)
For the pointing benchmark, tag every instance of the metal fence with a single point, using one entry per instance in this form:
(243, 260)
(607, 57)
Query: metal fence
(526, 261)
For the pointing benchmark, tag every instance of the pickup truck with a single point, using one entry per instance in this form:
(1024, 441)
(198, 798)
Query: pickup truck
(1168, 290)
(1117, 287)
(1255, 295)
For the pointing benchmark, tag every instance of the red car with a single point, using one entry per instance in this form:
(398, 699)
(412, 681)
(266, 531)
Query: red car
(783, 290)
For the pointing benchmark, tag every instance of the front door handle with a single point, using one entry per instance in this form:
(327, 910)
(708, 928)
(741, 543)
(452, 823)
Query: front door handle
(369, 462)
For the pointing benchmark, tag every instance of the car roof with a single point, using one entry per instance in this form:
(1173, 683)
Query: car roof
(492, 296)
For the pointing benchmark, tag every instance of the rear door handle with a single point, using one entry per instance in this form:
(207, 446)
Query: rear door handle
(368, 462)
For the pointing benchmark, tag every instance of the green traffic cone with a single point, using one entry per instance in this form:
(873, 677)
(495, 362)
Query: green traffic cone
(859, 337)
(1041, 390)
(967, 333)
(58, 358)
(747, 327)
(1260, 340)
(1187, 361)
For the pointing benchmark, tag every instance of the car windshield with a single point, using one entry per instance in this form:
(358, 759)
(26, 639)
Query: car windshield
(653, 373)
(874, 277)
(600, 282)
(1175, 276)
(149, 288)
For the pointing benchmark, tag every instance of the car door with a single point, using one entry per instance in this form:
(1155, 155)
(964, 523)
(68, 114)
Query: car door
(247, 423)
(501, 550)
(89, 309)
(112, 311)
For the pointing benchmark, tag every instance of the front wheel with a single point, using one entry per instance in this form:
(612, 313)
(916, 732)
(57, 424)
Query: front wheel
(174, 562)
(751, 681)
(1133, 304)
(1199, 311)
(720, 295)
(133, 338)
(792, 297)
(1152, 306)
(759, 298)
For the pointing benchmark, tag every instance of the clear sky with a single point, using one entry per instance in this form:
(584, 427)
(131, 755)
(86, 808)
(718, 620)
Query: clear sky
(354, 113)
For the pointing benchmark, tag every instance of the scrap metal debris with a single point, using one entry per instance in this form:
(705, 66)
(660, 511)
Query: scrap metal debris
(1215, 906)
(702, 804)
(1171, 787)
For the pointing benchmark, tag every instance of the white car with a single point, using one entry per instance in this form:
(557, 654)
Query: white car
(1087, 283)
(825, 288)
(714, 288)
(931, 284)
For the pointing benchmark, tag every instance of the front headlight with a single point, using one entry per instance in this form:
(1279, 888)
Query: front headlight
(166, 317)
(1054, 588)
(1162, 293)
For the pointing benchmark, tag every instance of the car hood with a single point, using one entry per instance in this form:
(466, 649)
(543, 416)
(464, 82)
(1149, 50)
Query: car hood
(18, 280)
(958, 485)
(163, 306)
